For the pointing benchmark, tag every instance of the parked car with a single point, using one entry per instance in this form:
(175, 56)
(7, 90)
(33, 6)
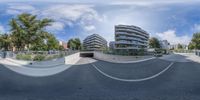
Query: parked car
(158, 54)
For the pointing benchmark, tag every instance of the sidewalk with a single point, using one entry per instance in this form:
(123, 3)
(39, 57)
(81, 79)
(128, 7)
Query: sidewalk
(191, 56)
(35, 64)
(34, 72)
(181, 57)
(23, 68)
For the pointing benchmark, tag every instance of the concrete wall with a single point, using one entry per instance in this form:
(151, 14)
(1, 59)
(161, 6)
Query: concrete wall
(118, 58)
(102, 56)
(72, 59)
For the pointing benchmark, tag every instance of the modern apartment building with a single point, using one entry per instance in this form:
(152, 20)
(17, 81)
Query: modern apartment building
(112, 45)
(94, 42)
(129, 38)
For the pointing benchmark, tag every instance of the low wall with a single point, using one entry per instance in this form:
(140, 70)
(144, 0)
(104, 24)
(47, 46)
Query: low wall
(41, 72)
(119, 58)
(72, 59)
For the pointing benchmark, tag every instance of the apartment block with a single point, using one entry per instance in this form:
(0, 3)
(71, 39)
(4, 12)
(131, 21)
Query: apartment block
(129, 38)
(94, 42)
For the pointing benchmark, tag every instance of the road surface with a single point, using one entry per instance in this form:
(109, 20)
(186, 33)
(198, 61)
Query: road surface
(83, 82)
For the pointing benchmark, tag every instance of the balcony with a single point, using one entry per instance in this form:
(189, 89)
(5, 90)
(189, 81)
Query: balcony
(135, 31)
(131, 38)
(131, 34)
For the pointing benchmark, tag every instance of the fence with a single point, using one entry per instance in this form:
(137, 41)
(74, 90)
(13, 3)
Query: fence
(10, 54)
(197, 53)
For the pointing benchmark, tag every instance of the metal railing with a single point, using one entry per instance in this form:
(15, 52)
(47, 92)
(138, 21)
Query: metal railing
(11, 54)
(197, 52)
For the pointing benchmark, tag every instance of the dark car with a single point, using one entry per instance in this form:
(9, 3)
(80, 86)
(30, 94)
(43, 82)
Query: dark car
(158, 54)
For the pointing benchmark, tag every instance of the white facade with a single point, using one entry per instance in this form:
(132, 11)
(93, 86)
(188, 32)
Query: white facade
(112, 45)
(129, 37)
(94, 42)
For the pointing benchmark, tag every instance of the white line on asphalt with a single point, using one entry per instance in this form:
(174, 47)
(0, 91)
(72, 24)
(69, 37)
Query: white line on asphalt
(132, 80)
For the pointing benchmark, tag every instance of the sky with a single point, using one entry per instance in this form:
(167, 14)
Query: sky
(172, 20)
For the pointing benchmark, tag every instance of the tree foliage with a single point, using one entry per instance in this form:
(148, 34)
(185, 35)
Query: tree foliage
(74, 44)
(154, 43)
(27, 30)
(180, 46)
(5, 41)
(195, 42)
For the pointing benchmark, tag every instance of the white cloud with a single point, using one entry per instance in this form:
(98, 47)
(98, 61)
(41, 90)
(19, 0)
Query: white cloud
(2, 30)
(152, 2)
(18, 8)
(56, 26)
(64, 14)
(138, 2)
(70, 12)
(74, 14)
(90, 28)
(171, 36)
(196, 28)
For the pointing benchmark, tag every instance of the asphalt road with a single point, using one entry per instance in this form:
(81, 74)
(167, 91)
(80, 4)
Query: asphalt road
(83, 82)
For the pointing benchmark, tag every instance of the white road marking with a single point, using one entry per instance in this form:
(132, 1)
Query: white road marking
(132, 80)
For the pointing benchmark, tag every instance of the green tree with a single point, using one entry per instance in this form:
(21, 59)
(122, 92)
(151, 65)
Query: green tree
(180, 46)
(61, 48)
(195, 42)
(191, 46)
(5, 41)
(74, 44)
(48, 42)
(52, 43)
(27, 30)
(71, 44)
(154, 43)
(77, 43)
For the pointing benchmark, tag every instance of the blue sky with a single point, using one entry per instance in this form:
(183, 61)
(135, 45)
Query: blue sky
(173, 20)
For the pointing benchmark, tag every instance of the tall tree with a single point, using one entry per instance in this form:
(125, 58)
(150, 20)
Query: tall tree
(195, 42)
(180, 46)
(71, 44)
(27, 29)
(74, 44)
(5, 41)
(191, 46)
(77, 43)
(154, 43)
(52, 43)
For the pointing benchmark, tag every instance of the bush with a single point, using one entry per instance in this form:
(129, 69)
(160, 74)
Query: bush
(39, 58)
(23, 57)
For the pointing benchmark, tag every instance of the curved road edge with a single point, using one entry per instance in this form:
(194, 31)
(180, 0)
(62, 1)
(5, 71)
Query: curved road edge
(131, 80)
(41, 72)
